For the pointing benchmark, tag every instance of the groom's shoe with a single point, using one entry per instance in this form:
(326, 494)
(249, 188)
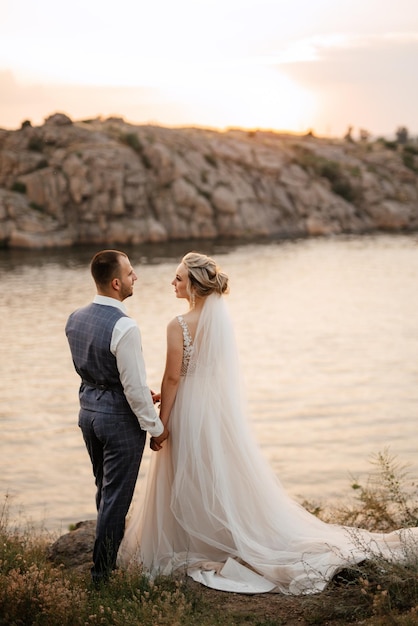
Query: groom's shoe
(99, 579)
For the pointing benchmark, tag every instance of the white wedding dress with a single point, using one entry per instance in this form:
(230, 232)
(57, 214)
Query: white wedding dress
(213, 507)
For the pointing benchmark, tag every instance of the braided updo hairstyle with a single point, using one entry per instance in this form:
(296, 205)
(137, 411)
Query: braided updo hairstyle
(205, 277)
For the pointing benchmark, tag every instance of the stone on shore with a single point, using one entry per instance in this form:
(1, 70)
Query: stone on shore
(74, 550)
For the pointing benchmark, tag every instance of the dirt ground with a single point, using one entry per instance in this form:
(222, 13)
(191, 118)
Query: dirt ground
(336, 606)
(258, 608)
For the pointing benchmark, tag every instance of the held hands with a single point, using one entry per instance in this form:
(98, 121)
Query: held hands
(154, 447)
(156, 397)
(156, 442)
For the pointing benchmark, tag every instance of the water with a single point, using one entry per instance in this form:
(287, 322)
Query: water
(328, 337)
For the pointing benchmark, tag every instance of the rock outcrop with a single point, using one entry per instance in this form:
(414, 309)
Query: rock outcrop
(110, 182)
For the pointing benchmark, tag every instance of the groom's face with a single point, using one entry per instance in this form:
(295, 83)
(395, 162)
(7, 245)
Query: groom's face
(127, 278)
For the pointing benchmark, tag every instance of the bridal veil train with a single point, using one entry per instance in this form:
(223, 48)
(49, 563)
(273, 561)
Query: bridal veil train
(212, 505)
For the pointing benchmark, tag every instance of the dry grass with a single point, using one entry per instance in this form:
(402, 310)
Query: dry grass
(35, 592)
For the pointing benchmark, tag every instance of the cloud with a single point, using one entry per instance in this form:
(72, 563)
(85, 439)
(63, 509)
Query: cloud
(324, 82)
(371, 80)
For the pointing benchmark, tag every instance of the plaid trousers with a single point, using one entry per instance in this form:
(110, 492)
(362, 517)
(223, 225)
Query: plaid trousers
(115, 444)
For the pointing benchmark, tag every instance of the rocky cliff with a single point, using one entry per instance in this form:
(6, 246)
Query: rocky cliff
(110, 182)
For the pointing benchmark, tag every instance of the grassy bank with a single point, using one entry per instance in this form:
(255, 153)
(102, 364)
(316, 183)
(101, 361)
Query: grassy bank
(33, 591)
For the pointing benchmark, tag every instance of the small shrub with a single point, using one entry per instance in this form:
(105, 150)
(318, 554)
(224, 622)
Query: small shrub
(19, 187)
(408, 160)
(391, 145)
(331, 170)
(411, 149)
(209, 158)
(355, 171)
(131, 139)
(39, 595)
(387, 501)
(204, 176)
(145, 160)
(344, 188)
(408, 156)
(37, 207)
(42, 164)
(36, 144)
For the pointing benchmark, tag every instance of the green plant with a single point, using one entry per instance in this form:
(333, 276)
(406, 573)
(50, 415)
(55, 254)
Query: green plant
(36, 144)
(408, 160)
(37, 207)
(345, 189)
(132, 140)
(331, 170)
(408, 156)
(146, 161)
(209, 158)
(355, 171)
(391, 145)
(386, 501)
(411, 149)
(18, 186)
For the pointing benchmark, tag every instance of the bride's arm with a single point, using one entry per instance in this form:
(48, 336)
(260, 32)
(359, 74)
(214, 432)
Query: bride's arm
(172, 370)
(171, 377)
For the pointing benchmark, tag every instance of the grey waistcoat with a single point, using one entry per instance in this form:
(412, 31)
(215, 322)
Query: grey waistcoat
(89, 333)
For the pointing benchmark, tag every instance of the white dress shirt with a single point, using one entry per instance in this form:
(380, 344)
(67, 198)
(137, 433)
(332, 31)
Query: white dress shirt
(126, 346)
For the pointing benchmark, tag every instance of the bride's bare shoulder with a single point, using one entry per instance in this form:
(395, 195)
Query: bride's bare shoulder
(174, 323)
(191, 318)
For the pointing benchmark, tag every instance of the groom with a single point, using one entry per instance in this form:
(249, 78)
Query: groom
(116, 406)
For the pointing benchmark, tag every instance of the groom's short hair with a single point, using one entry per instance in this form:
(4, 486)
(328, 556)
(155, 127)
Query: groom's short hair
(105, 266)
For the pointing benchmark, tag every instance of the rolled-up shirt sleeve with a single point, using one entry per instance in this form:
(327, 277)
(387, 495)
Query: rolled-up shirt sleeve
(126, 345)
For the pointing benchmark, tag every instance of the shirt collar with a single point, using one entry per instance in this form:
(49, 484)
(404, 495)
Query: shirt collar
(107, 301)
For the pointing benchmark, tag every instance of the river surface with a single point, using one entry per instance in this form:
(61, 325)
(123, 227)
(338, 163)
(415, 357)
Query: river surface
(328, 337)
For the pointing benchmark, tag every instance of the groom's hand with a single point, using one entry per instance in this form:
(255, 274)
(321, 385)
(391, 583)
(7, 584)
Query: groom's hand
(154, 446)
(156, 442)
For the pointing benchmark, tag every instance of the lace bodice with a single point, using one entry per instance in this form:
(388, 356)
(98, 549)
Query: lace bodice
(187, 345)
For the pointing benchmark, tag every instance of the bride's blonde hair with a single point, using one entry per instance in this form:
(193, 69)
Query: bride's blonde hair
(205, 277)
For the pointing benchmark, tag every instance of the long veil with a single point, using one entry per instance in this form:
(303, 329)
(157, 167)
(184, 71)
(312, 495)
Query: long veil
(212, 497)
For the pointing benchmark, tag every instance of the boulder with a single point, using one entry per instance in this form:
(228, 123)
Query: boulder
(74, 550)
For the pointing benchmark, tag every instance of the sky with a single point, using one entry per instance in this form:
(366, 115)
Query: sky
(294, 65)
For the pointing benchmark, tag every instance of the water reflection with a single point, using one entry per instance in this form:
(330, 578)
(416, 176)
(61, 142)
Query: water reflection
(146, 253)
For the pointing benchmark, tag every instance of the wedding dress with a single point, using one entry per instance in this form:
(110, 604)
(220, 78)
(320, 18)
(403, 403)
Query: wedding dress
(214, 508)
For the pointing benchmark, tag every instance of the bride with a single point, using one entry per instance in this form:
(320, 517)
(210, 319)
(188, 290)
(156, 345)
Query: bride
(212, 506)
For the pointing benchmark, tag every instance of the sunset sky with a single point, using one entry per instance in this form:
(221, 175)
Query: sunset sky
(285, 65)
